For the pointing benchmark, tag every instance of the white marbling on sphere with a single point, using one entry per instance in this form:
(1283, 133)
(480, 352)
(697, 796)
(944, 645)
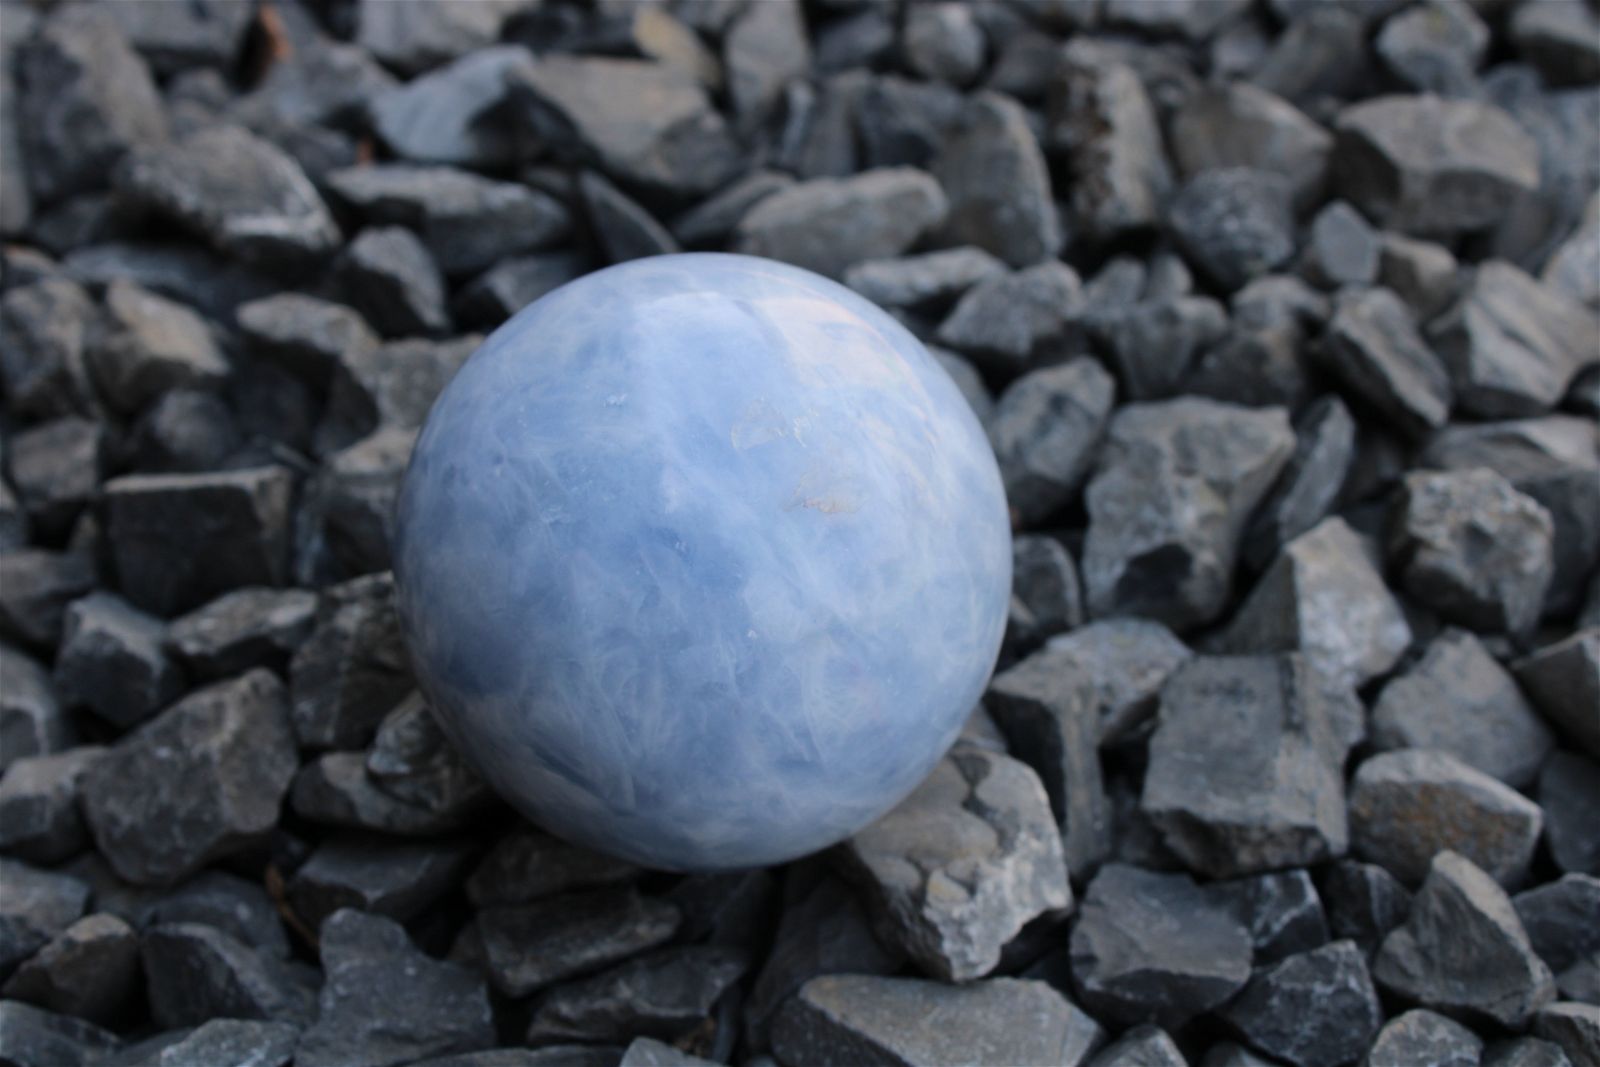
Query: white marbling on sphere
(703, 561)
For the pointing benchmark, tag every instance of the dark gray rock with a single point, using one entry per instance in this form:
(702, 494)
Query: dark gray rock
(661, 36)
(897, 122)
(1423, 1036)
(195, 972)
(861, 39)
(251, 627)
(1472, 548)
(111, 660)
(1406, 806)
(391, 386)
(1434, 47)
(433, 33)
(648, 1052)
(1099, 119)
(232, 1043)
(1245, 766)
(151, 344)
(1125, 662)
(388, 276)
(1574, 1027)
(1045, 599)
(201, 780)
(185, 430)
(35, 905)
(1569, 789)
(1046, 429)
(1241, 125)
(1281, 910)
(1174, 485)
(31, 719)
(14, 531)
(1229, 1054)
(929, 279)
(1559, 920)
(825, 932)
(1325, 438)
(1007, 321)
(237, 907)
(548, 1056)
(39, 818)
(1341, 248)
(511, 285)
(176, 37)
(56, 468)
(352, 669)
(454, 115)
(36, 585)
(954, 871)
(852, 1019)
(1154, 345)
(529, 864)
(764, 50)
(623, 228)
(17, 210)
(1373, 347)
(1152, 947)
(397, 880)
(994, 174)
(45, 328)
(1430, 166)
(30, 1035)
(1560, 39)
(713, 218)
(188, 272)
(1526, 1052)
(1364, 902)
(530, 946)
(85, 98)
(178, 540)
(412, 760)
(336, 790)
(1142, 1046)
(87, 971)
(1463, 949)
(1314, 1009)
(1511, 344)
(1458, 699)
(1050, 721)
(241, 193)
(1421, 273)
(1233, 224)
(346, 518)
(665, 994)
(828, 224)
(385, 1002)
(642, 122)
(467, 222)
(943, 42)
(324, 82)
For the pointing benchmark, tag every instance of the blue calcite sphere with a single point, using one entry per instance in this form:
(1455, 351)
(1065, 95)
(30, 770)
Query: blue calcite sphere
(703, 561)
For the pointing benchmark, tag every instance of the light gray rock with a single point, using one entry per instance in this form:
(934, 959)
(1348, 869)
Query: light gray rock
(1241, 125)
(1125, 662)
(1463, 949)
(931, 278)
(1174, 485)
(1341, 248)
(943, 42)
(1374, 348)
(1564, 681)
(1408, 805)
(1046, 429)
(450, 115)
(1421, 273)
(955, 870)
(1435, 47)
(994, 174)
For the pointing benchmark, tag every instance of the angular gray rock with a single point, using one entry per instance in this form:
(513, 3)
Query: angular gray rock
(336, 789)
(250, 627)
(179, 540)
(392, 386)
(232, 1043)
(1045, 598)
(35, 905)
(1325, 438)
(666, 994)
(1125, 662)
(1421, 273)
(530, 946)
(994, 175)
(1423, 1036)
(1563, 680)
(1365, 902)
(511, 285)
(623, 228)
(46, 327)
(648, 1052)
(201, 780)
(1432, 166)
(1526, 1052)
(849, 1019)
(1569, 790)
(642, 122)
(149, 345)
(36, 585)
(1281, 910)
(85, 98)
(1472, 548)
(1575, 1027)
(1152, 947)
(454, 114)
(1233, 224)
(195, 972)
(1241, 125)
(713, 218)
(351, 669)
(1435, 48)
(1007, 321)
(240, 908)
(1314, 1009)
(173, 38)
(1174, 485)
(1045, 429)
(426, 35)
(1513, 345)
(1050, 721)
(87, 971)
(1373, 347)
(1341, 248)
(386, 1002)
(943, 42)
(468, 223)
(1463, 949)
(1245, 766)
(931, 278)
(56, 468)
(829, 224)
(765, 49)
(1458, 699)
(238, 192)
(957, 869)
(1406, 806)
(387, 274)
(529, 865)
(31, 1035)
(111, 660)
(1559, 920)
(1155, 344)
(39, 817)
(412, 760)
(397, 880)
(1559, 39)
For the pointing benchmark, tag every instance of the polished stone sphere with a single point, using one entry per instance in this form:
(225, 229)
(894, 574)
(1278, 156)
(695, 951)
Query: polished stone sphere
(702, 561)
